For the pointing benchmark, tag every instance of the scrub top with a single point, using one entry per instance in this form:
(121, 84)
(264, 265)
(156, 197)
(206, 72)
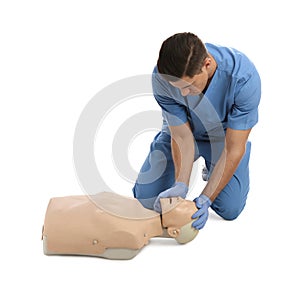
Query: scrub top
(230, 101)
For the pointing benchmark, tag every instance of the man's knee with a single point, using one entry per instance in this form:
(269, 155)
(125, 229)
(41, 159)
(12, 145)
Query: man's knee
(231, 201)
(229, 209)
(230, 213)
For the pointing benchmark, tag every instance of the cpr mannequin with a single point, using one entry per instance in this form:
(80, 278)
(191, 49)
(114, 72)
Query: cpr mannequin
(112, 226)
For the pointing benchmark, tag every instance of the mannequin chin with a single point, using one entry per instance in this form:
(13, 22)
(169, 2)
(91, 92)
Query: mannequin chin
(112, 226)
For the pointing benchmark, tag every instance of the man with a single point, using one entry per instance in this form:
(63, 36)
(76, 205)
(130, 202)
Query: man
(209, 97)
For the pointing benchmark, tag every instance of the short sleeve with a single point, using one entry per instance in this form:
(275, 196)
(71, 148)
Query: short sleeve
(173, 112)
(244, 112)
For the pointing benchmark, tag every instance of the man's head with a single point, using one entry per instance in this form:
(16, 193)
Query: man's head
(185, 63)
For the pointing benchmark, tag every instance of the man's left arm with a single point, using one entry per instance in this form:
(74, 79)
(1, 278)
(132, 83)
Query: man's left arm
(234, 149)
(240, 120)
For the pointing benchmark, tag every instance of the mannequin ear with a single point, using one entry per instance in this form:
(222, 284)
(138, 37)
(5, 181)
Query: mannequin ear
(173, 232)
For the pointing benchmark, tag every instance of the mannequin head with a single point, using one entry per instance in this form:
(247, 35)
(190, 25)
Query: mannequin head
(176, 218)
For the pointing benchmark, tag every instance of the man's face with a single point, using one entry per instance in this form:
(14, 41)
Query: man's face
(196, 84)
(192, 86)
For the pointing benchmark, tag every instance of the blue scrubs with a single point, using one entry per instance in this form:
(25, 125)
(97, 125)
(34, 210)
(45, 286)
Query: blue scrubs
(230, 101)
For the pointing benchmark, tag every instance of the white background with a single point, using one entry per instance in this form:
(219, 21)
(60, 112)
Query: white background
(56, 55)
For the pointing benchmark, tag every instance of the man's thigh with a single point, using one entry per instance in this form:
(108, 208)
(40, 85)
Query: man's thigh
(157, 172)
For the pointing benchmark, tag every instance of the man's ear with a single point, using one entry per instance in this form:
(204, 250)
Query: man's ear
(207, 62)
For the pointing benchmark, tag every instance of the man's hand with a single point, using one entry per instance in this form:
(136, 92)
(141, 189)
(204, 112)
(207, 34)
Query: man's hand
(179, 189)
(202, 203)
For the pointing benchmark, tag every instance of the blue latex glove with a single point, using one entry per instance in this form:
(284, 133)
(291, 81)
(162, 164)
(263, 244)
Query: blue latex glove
(179, 189)
(202, 203)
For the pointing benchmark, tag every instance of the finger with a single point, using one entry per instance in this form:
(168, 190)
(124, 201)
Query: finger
(156, 205)
(199, 204)
(173, 192)
(157, 208)
(164, 194)
(198, 213)
(200, 221)
(199, 224)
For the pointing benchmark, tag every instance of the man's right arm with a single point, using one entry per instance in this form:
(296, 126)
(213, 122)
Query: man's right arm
(183, 148)
(183, 151)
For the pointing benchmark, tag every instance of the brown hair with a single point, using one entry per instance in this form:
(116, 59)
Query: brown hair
(181, 55)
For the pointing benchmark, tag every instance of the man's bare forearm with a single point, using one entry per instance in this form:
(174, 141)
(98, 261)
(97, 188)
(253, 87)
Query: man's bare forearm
(233, 152)
(183, 157)
(183, 151)
(222, 173)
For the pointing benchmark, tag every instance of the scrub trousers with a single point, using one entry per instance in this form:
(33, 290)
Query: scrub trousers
(158, 174)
